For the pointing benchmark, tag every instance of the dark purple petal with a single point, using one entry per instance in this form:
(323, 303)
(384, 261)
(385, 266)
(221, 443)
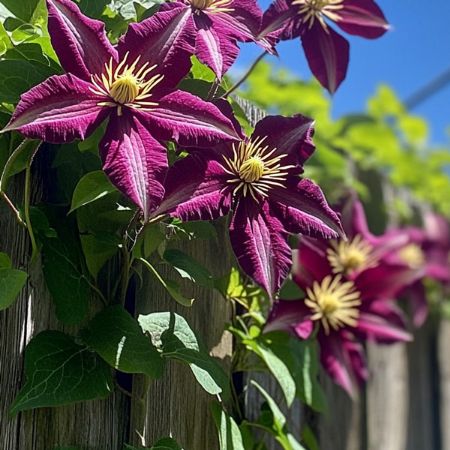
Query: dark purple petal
(194, 188)
(302, 208)
(343, 360)
(80, 42)
(259, 243)
(439, 269)
(311, 263)
(59, 110)
(291, 136)
(353, 218)
(363, 18)
(382, 322)
(281, 21)
(416, 296)
(213, 47)
(165, 39)
(134, 161)
(385, 281)
(291, 316)
(244, 22)
(328, 54)
(437, 229)
(188, 120)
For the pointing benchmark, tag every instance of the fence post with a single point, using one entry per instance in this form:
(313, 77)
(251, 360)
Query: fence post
(97, 425)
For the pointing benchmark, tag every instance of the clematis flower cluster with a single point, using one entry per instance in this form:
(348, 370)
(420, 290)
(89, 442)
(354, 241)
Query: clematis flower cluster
(132, 86)
(425, 252)
(350, 293)
(326, 51)
(257, 180)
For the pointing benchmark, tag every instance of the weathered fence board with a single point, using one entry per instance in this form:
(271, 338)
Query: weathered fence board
(176, 405)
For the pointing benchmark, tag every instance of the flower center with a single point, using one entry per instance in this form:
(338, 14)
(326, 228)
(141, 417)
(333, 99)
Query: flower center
(412, 255)
(213, 6)
(126, 85)
(347, 256)
(312, 10)
(125, 90)
(254, 169)
(334, 303)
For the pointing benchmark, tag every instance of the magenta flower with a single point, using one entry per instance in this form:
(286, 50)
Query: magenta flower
(134, 85)
(213, 28)
(258, 180)
(425, 253)
(349, 297)
(327, 52)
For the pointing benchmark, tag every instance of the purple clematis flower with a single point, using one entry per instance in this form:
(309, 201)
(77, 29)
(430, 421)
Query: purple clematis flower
(327, 52)
(134, 85)
(258, 180)
(426, 254)
(349, 296)
(215, 26)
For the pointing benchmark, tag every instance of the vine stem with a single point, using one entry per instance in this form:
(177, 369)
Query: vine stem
(13, 209)
(246, 75)
(34, 248)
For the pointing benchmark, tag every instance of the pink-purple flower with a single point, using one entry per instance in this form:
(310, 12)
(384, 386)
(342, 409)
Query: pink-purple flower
(258, 181)
(214, 27)
(132, 84)
(327, 52)
(425, 253)
(349, 297)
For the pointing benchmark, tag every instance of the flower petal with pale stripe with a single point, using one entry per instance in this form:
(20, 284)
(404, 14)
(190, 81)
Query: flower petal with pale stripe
(80, 42)
(134, 161)
(60, 109)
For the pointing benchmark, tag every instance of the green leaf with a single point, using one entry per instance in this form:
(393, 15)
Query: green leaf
(66, 282)
(171, 333)
(11, 283)
(200, 71)
(18, 76)
(18, 160)
(278, 416)
(5, 261)
(189, 268)
(117, 337)
(301, 358)
(93, 8)
(150, 240)
(276, 366)
(98, 249)
(230, 437)
(172, 287)
(90, 188)
(23, 9)
(59, 372)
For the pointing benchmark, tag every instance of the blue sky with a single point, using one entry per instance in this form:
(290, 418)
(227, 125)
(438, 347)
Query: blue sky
(413, 53)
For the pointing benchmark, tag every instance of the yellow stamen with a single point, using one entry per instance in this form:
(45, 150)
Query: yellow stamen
(348, 256)
(313, 10)
(126, 85)
(412, 255)
(334, 302)
(125, 89)
(212, 6)
(254, 168)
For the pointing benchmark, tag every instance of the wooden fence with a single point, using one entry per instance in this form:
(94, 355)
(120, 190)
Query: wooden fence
(405, 405)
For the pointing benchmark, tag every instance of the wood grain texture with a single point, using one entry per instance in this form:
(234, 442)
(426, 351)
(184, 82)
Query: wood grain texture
(95, 425)
(176, 405)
